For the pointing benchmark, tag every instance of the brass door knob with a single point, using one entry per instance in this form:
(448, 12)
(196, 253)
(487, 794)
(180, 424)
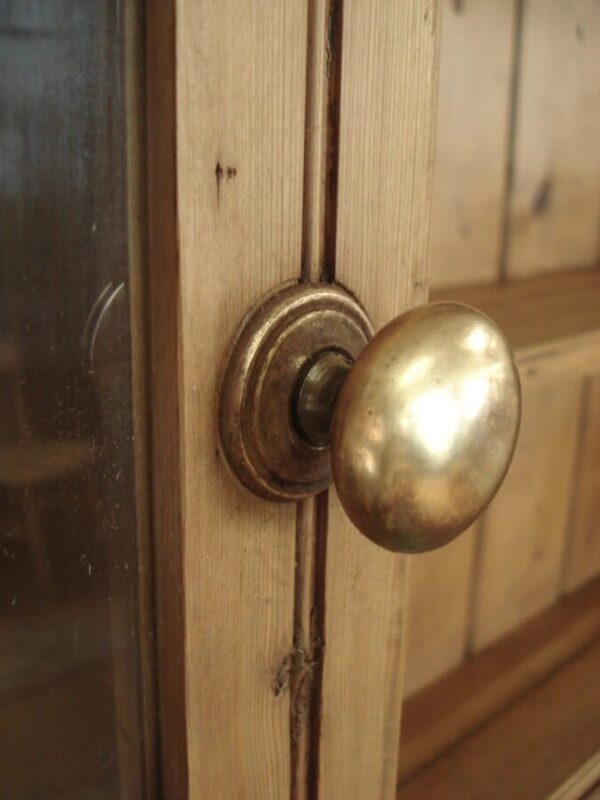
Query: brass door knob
(417, 425)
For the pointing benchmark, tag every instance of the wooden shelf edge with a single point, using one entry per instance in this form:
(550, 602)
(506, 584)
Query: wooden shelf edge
(453, 707)
(544, 746)
(552, 322)
(586, 778)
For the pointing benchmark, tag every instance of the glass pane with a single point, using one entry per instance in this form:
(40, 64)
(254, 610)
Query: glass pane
(71, 714)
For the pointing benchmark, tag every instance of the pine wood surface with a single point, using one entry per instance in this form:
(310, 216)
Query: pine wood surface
(239, 113)
(525, 529)
(543, 318)
(582, 559)
(473, 136)
(244, 195)
(439, 607)
(458, 704)
(387, 105)
(530, 750)
(554, 202)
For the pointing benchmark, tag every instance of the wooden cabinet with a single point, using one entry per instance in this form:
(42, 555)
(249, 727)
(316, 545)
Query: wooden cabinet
(516, 233)
(288, 140)
(296, 141)
(202, 153)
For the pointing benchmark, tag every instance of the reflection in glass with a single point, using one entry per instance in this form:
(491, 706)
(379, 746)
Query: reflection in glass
(71, 719)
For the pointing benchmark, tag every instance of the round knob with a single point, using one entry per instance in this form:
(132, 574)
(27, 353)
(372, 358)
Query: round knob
(417, 425)
(425, 426)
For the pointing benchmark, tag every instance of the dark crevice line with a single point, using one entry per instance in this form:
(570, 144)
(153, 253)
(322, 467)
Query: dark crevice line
(511, 138)
(304, 664)
(310, 124)
(296, 720)
(317, 638)
(334, 83)
(322, 111)
(300, 662)
(319, 233)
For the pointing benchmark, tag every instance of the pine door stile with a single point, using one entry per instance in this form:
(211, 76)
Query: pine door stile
(227, 229)
(386, 130)
(286, 623)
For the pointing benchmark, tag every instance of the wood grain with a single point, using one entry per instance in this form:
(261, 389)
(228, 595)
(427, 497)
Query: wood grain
(525, 528)
(438, 610)
(555, 201)
(467, 697)
(583, 553)
(240, 100)
(472, 140)
(552, 322)
(528, 751)
(388, 89)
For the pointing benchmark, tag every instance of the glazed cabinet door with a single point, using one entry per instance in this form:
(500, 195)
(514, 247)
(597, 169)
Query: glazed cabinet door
(287, 141)
(77, 715)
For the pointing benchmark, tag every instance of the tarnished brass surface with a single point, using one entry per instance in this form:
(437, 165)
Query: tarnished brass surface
(425, 419)
(274, 349)
(318, 394)
(425, 426)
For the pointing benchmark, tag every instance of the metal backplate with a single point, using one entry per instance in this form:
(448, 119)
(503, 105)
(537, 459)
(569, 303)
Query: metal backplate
(272, 351)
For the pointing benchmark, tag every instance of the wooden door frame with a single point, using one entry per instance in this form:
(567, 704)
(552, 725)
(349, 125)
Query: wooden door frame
(343, 602)
(165, 394)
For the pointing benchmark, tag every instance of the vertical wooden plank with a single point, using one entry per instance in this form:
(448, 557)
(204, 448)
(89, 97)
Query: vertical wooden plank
(555, 202)
(477, 57)
(524, 530)
(239, 96)
(472, 140)
(165, 314)
(438, 610)
(583, 553)
(388, 88)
